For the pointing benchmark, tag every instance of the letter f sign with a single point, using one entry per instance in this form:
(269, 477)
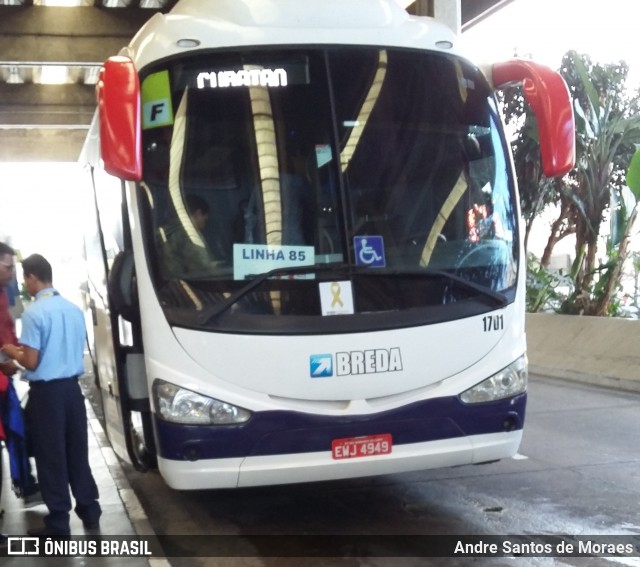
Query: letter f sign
(157, 109)
(156, 113)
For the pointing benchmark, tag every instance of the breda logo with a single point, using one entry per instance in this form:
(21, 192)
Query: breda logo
(356, 362)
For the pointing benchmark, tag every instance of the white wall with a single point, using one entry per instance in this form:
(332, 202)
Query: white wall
(597, 350)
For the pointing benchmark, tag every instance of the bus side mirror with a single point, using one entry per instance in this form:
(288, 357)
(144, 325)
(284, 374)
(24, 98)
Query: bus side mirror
(123, 295)
(548, 95)
(118, 94)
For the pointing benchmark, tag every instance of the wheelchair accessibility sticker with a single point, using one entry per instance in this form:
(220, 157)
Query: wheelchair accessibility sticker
(369, 251)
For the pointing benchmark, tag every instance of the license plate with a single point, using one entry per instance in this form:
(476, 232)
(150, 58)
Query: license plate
(367, 446)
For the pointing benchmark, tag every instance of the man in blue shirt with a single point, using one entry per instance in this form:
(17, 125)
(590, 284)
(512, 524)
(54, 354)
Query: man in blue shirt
(52, 351)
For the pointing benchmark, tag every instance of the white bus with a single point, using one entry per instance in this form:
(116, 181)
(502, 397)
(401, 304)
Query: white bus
(306, 259)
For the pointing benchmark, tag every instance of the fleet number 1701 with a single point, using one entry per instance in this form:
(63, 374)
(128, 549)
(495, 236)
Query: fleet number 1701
(493, 323)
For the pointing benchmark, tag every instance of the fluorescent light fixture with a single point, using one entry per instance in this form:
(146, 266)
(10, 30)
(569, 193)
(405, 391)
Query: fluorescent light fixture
(54, 75)
(63, 3)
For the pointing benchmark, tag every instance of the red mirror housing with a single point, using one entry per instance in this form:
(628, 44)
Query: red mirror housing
(118, 94)
(548, 95)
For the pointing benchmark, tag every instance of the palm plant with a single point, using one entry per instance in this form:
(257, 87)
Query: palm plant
(605, 136)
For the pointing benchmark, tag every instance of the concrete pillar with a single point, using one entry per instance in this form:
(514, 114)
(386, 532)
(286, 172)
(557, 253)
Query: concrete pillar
(449, 12)
(421, 8)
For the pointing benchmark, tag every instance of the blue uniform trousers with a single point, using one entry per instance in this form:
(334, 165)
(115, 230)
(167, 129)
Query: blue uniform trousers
(57, 431)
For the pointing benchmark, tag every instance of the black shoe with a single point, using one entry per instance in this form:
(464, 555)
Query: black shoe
(4, 541)
(91, 525)
(46, 531)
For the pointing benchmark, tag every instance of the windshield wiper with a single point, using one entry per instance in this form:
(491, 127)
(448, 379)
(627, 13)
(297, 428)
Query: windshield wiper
(215, 310)
(496, 298)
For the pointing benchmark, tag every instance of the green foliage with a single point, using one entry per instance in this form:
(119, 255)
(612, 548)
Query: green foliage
(607, 131)
(547, 290)
(24, 294)
(602, 280)
(633, 174)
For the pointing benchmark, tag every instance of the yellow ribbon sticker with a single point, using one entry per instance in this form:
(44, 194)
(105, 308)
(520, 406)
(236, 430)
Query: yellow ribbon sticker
(336, 298)
(335, 292)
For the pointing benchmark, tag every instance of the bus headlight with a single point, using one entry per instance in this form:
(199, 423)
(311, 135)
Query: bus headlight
(179, 405)
(510, 381)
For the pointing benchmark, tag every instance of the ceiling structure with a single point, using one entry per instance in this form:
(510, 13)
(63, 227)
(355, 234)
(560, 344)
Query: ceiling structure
(50, 56)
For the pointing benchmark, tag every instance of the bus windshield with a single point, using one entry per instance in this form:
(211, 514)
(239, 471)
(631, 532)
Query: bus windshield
(364, 181)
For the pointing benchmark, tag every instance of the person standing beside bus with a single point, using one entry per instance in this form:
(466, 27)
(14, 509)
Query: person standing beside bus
(7, 326)
(52, 351)
(11, 418)
(7, 336)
